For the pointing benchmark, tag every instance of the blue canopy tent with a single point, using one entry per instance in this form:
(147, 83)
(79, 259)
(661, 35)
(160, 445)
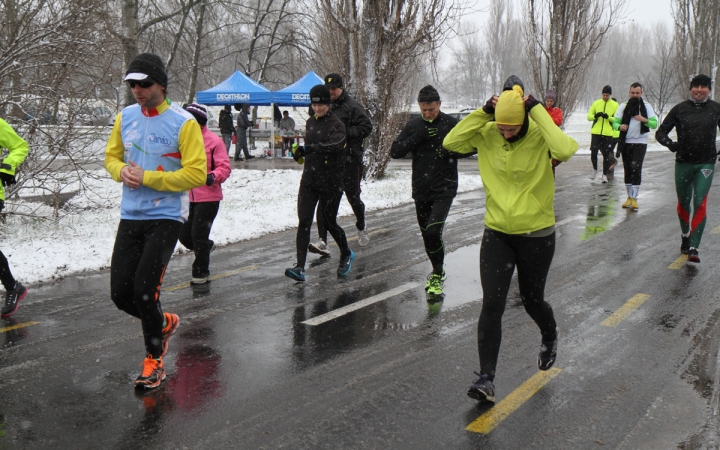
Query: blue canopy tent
(238, 88)
(298, 93)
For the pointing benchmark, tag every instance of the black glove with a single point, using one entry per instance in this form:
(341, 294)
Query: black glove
(210, 179)
(530, 102)
(7, 179)
(298, 152)
(605, 116)
(2, 205)
(598, 114)
(488, 107)
(673, 146)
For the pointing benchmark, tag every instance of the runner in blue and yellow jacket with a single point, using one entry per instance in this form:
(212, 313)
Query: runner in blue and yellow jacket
(513, 136)
(156, 150)
(17, 151)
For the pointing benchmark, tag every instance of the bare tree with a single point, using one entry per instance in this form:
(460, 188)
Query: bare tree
(561, 38)
(374, 44)
(661, 81)
(697, 32)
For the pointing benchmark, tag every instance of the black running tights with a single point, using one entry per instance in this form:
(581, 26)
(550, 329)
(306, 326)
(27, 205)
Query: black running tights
(6, 276)
(633, 156)
(500, 253)
(308, 199)
(141, 255)
(195, 235)
(431, 217)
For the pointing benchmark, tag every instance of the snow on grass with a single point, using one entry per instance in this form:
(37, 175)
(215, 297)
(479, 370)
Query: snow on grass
(256, 203)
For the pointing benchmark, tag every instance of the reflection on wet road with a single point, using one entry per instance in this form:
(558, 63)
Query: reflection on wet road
(369, 361)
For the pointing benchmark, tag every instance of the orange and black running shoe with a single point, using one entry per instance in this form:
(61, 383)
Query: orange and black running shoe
(153, 373)
(172, 324)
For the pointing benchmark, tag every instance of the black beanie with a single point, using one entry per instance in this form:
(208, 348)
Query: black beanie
(607, 90)
(150, 65)
(320, 94)
(701, 80)
(428, 94)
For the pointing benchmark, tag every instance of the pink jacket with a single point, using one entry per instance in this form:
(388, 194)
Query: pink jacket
(218, 164)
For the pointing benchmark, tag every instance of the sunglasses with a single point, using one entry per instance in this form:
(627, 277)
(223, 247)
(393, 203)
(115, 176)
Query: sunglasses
(143, 84)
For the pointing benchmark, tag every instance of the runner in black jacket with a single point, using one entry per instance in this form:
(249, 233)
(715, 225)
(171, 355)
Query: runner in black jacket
(696, 122)
(434, 177)
(357, 127)
(321, 181)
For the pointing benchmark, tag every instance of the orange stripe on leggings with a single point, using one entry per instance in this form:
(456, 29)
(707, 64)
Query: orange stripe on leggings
(162, 275)
(682, 214)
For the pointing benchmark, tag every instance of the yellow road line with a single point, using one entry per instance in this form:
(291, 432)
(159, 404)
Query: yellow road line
(625, 310)
(678, 262)
(214, 277)
(380, 230)
(488, 421)
(715, 230)
(15, 327)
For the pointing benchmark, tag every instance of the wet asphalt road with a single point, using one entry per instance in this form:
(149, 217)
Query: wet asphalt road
(245, 372)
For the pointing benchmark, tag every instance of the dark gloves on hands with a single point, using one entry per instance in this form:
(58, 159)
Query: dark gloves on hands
(488, 107)
(7, 179)
(598, 114)
(298, 151)
(605, 116)
(673, 146)
(210, 179)
(530, 102)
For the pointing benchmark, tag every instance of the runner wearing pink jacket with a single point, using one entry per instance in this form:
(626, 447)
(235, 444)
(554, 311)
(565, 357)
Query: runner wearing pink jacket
(205, 200)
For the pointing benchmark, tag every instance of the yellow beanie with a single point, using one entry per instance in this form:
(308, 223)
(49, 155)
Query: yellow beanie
(510, 108)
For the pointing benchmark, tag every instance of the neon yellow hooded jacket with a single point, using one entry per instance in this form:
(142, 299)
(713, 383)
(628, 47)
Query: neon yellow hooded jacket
(603, 126)
(517, 177)
(17, 151)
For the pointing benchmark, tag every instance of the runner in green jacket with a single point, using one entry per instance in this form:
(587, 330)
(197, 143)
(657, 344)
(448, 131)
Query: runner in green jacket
(17, 151)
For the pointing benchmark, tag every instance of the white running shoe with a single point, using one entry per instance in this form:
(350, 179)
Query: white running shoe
(320, 247)
(593, 174)
(604, 178)
(363, 238)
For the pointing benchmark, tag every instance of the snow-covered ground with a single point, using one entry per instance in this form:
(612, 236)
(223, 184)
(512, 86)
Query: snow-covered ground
(256, 203)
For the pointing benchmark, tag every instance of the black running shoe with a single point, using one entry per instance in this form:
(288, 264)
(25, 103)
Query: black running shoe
(12, 298)
(685, 245)
(482, 389)
(693, 255)
(548, 352)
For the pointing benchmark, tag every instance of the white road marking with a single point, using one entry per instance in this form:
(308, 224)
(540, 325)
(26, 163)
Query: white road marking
(361, 304)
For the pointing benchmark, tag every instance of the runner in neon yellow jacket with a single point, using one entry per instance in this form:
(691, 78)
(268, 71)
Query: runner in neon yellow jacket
(512, 150)
(17, 151)
(519, 199)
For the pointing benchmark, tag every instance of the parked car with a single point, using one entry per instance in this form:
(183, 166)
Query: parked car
(95, 116)
(32, 113)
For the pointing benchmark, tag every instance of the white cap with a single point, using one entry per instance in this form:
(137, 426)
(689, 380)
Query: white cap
(137, 76)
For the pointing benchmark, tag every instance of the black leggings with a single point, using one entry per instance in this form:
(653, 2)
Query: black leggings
(499, 254)
(141, 255)
(195, 235)
(329, 203)
(6, 276)
(431, 217)
(352, 175)
(605, 144)
(633, 156)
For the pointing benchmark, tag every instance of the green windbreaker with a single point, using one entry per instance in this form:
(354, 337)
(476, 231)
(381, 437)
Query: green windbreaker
(17, 151)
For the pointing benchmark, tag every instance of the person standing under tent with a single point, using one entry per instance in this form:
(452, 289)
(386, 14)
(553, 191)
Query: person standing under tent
(156, 151)
(322, 156)
(205, 200)
(227, 130)
(512, 135)
(243, 124)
